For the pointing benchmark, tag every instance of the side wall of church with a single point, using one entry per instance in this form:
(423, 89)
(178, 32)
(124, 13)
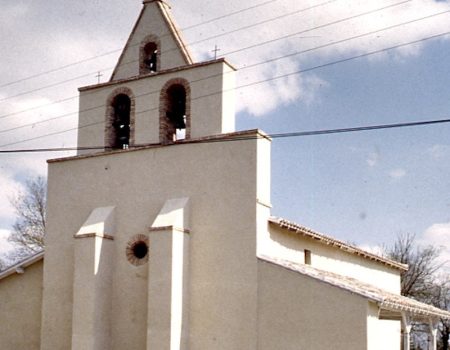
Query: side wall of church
(219, 178)
(296, 312)
(211, 104)
(382, 334)
(287, 245)
(21, 314)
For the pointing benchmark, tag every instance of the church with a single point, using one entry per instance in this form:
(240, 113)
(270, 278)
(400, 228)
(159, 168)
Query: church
(160, 234)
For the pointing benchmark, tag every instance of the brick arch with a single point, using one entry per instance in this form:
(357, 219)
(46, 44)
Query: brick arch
(109, 115)
(163, 106)
(149, 39)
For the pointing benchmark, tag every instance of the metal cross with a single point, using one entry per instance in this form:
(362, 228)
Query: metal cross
(98, 76)
(216, 49)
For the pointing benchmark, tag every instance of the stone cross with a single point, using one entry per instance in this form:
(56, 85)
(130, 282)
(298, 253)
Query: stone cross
(98, 77)
(216, 49)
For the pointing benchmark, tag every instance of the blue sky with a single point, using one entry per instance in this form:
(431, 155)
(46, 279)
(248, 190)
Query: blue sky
(361, 187)
(367, 186)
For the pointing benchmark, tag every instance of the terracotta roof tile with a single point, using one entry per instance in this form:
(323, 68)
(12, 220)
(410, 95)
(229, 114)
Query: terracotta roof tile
(388, 302)
(328, 240)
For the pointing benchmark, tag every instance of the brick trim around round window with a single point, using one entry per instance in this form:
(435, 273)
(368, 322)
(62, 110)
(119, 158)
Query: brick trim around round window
(109, 115)
(163, 105)
(137, 250)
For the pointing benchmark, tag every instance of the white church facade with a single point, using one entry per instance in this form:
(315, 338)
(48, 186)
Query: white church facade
(164, 239)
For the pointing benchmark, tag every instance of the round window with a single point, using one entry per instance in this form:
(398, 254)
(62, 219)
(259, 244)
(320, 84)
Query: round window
(137, 250)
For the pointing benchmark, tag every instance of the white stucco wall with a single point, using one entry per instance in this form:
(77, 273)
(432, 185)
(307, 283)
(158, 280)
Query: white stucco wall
(296, 312)
(212, 111)
(281, 243)
(220, 181)
(20, 309)
(381, 334)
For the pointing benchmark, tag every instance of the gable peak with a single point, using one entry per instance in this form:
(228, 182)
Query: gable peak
(145, 2)
(161, 3)
(155, 43)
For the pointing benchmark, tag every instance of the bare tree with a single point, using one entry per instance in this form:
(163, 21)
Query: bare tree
(2, 264)
(29, 228)
(441, 299)
(420, 282)
(423, 265)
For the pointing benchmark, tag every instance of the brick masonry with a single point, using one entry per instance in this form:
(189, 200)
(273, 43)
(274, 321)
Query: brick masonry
(165, 130)
(147, 40)
(129, 250)
(109, 116)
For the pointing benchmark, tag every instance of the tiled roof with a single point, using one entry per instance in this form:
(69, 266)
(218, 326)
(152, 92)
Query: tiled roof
(390, 304)
(328, 240)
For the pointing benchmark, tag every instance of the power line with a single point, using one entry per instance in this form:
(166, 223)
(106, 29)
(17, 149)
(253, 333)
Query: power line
(323, 25)
(261, 81)
(232, 14)
(236, 30)
(47, 86)
(118, 50)
(172, 49)
(285, 36)
(240, 138)
(350, 38)
(252, 46)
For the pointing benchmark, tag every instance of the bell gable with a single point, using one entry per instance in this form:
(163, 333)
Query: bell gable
(154, 44)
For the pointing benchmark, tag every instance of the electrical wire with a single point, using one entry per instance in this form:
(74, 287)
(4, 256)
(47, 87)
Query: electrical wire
(167, 50)
(120, 49)
(242, 138)
(285, 36)
(314, 28)
(257, 82)
(241, 68)
(233, 31)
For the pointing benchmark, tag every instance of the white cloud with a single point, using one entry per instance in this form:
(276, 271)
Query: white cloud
(373, 158)
(7, 189)
(66, 34)
(11, 11)
(439, 151)
(374, 249)
(5, 245)
(397, 173)
(263, 98)
(439, 236)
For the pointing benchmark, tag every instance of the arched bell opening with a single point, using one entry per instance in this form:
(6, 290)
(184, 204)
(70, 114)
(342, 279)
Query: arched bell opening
(175, 118)
(151, 57)
(149, 60)
(119, 120)
(121, 123)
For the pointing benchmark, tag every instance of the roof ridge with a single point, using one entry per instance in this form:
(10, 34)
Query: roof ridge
(349, 248)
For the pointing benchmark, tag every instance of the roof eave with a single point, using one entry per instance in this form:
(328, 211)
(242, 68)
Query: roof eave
(18, 267)
(328, 240)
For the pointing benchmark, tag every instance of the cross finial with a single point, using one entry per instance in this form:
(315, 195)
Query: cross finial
(98, 76)
(216, 49)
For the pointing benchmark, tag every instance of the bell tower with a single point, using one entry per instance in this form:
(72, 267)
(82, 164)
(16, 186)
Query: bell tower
(156, 94)
(152, 227)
